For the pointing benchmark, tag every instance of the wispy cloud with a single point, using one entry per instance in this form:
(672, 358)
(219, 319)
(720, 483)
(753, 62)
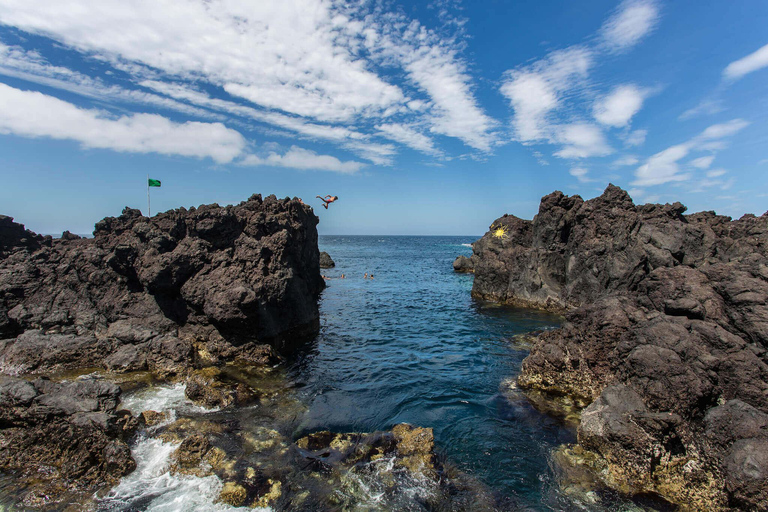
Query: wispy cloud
(300, 158)
(325, 74)
(625, 160)
(542, 94)
(33, 114)
(752, 62)
(664, 167)
(633, 20)
(703, 162)
(580, 173)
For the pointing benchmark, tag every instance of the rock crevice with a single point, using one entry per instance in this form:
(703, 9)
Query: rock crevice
(666, 336)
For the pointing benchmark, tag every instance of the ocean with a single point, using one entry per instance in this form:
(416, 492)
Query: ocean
(411, 345)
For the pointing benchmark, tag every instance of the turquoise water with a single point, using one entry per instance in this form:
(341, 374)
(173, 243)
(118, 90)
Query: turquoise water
(412, 346)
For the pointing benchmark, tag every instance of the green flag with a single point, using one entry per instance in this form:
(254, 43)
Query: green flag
(154, 183)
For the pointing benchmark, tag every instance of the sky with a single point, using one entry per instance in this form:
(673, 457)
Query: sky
(429, 118)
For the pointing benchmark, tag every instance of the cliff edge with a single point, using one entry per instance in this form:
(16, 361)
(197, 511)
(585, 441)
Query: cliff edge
(183, 288)
(665, 339)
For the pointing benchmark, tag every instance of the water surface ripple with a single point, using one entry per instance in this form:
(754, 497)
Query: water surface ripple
(412, 346)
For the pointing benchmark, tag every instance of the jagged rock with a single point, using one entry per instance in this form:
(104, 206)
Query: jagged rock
(60, 438)
(211, 388)
(144, 290)
(666, 319)
(152, 418)
(326, 261)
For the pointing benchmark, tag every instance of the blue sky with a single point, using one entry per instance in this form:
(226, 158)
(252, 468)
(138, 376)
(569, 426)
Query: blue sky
(433, 119)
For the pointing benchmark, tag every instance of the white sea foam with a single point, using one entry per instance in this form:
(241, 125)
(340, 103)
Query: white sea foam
(467, 245)
(170, 399)
(152, 488)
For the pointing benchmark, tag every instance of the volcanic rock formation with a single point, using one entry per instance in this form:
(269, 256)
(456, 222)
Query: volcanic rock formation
(666, 338)
(63, 440)
(326, 261)
(185, 287)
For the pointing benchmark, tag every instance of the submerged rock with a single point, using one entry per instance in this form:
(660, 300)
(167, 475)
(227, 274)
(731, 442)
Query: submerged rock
(145, 292)
(326, 261)
(63, 440)
(666, 335)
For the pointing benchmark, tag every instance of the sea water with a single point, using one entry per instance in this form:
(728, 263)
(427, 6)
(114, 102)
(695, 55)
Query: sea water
(411, 345)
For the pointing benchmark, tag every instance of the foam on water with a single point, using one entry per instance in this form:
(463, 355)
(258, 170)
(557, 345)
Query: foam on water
(151, 486)
(170, 399)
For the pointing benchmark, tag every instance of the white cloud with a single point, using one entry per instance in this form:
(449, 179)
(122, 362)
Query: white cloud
(580, 174)
(633, 20)
(617, 108)
(704, 107)
(535, 91)
(581, 140)
(32, 67)
(33, 114)
(626, 160)
(752, 62)
(703, 162)
(300, 158)
(317, 59)
(635, 138)
(718, 131)
(714, 173)
(409, 136)
(662, 167)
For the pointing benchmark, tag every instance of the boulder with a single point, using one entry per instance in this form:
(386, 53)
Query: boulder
(464, 265)
(326, 261)
(666, 335)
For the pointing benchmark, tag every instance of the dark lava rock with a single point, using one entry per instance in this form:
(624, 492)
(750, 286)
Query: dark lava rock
(666, 335)
(326, 261)
(464, 265)
(63, 440)
(158, 293)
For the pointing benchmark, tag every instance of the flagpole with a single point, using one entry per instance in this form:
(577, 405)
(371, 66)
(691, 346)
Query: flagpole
(149, 212)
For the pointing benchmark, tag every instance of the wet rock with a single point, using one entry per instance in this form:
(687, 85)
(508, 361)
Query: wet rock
(233, 494)
(144, 290)
(415, 448)
(209, 387)
(60, 438)
(326, 261)
(152, 418)
(188, 457)
(667, 324)
(464, 265)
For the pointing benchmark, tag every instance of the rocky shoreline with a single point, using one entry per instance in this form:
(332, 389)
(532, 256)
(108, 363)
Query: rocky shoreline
(665, 340)
(195, 307)
(175, 295)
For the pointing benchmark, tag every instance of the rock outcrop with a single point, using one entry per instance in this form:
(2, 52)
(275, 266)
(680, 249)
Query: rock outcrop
(666, 338)
(63, 440)
(464, 265)
(185, 287)
(326, 261)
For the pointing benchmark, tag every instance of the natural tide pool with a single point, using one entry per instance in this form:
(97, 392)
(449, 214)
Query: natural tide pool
(412, 346)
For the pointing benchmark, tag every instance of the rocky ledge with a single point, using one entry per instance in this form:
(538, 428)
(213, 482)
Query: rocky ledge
(63, 441)
(665, 339)
(183, 288)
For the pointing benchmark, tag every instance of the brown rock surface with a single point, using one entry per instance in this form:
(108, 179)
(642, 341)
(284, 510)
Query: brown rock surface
(666, 336)
(154, 293)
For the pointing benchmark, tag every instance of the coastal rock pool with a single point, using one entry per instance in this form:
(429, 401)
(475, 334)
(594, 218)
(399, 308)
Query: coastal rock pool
(411, 345)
